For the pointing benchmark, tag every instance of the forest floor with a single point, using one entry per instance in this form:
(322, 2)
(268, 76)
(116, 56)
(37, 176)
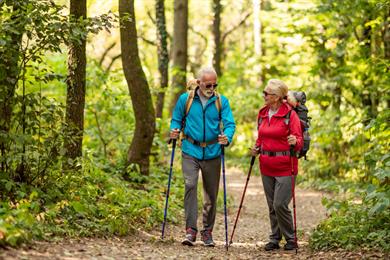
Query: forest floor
(250, 236)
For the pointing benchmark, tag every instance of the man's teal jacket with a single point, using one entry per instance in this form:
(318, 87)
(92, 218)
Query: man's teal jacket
(202, 125)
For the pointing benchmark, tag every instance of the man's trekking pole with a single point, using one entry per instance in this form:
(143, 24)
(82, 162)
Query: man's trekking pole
(224, 194)
(293, 197)
(242, 199)
(169, 186)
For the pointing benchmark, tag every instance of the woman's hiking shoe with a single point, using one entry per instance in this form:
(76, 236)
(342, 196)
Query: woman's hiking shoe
(290, 245)
(207, 238)
(190, 237)
(271, 246)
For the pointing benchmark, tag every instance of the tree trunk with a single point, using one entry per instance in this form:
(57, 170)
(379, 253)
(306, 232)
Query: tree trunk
(9, 55)
(257, 27)
(370, 99)
(386, 42)
(163, 59)
(75, 96)
(139, 150)
(179, 49)
(217, 8)
(386, 36)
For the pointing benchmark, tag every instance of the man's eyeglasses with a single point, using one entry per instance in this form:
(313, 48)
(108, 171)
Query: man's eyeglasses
(211, 85)
(265, 93)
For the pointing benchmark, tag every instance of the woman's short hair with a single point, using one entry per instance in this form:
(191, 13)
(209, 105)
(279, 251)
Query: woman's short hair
(278, 87)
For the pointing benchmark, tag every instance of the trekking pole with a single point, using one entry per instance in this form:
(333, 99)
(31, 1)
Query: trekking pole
(242, 199)
(169, 186)
(293, 197)
(224, 194)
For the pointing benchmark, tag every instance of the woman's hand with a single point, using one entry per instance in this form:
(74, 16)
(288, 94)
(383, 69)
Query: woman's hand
(292, 140)
(255, 151)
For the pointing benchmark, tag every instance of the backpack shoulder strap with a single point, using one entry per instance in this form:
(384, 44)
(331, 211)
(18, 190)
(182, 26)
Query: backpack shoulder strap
(287, 120)
(189, 101)
(259, 122)
(218, 104)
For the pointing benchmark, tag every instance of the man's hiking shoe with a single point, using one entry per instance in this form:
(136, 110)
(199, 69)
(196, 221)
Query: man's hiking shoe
(290, 245)
(207, 238)
(190, 237)
(271, 246)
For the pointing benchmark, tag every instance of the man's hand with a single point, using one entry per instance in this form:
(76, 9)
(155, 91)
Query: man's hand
(255, 151)
(222, 139)
(174, 134)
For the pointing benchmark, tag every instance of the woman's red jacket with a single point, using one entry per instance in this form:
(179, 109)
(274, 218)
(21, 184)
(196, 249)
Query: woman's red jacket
(272, 137)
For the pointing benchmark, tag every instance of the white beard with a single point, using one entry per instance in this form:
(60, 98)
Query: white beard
(207, 93)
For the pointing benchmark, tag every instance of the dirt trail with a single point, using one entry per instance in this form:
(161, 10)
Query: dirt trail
(250, 236)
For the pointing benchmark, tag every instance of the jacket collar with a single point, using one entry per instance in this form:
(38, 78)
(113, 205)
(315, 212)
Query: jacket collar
(282, 112)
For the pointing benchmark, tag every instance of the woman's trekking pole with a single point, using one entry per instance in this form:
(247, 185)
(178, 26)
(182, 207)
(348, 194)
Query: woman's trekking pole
(293, 197)
(224, 194)
(169, 186)
(242, 199)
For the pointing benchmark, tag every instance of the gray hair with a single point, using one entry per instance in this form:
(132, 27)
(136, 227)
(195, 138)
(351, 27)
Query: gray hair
(204, 71)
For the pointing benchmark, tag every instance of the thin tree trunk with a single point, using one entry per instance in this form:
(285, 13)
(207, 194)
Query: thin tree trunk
(257, 27)
(370, 94)
(217, 8)
(386, 42)
(9, 56)
(179, 49)
(75, 97)
(163, 58)
(139, 150)
(386, 36)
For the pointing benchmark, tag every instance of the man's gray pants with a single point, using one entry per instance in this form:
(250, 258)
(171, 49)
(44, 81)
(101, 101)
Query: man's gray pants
(278, 194)
(211, 171)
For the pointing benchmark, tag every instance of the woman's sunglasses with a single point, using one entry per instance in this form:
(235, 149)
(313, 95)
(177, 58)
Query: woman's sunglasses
(265, 93)
(211, 85)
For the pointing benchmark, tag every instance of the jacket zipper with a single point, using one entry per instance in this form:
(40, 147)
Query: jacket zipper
(204, 129)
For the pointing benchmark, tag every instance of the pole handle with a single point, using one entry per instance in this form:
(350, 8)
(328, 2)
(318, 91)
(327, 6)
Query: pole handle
(253, 160)
(172, 140)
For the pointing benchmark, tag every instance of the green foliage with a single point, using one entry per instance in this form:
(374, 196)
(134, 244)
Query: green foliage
(354, 224)
(91, 202)
(362, 219)
(109, 117)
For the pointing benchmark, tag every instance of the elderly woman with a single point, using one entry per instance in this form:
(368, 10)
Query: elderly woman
(278, 129)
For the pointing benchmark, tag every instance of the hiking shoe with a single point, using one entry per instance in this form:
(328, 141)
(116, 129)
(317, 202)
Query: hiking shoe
(190, 237)
(290, 245)
(271, 246)
(207, 238)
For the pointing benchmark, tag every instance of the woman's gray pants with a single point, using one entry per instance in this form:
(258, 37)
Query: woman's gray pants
(278, 194)
(211, 171)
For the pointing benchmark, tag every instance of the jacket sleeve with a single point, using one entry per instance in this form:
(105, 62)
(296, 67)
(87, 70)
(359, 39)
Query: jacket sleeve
(258, 140)
(229, 126)
(296, 130)
(178, 112)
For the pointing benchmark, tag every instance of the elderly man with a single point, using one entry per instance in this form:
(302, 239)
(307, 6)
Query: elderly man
(201, 149)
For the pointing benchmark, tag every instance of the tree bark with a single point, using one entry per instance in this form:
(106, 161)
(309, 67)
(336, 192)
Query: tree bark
(386, 36)
(179, 49)
(163, 58)
(370, 97)
(217, 8)
(257, 27)
(10, 56)
(139, 150)
(75, 96)
(386, 42)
